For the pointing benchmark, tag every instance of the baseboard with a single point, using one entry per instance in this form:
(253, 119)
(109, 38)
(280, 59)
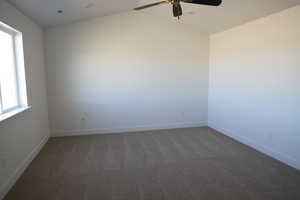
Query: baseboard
(282, 157)
(62, 133)
(19, 171)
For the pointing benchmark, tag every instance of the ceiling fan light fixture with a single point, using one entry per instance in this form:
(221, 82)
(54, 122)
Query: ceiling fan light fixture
(177, 10)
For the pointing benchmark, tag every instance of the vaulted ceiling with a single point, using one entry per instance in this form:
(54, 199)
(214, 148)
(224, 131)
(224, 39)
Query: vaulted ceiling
(207, 19)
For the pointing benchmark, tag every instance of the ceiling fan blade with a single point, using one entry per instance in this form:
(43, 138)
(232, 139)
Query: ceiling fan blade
(151, 5)
(204, 2)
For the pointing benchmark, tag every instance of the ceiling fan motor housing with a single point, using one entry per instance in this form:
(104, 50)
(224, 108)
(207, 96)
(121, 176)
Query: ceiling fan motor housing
(177, 10)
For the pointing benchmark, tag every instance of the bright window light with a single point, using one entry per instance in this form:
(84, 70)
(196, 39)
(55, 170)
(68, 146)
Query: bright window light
(12, 75)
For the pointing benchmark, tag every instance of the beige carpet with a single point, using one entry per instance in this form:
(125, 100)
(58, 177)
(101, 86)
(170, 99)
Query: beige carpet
(180, 164)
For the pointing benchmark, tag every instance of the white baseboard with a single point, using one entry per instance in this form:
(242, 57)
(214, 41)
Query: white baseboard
(62, 133)
(19, 171)
(283, 157)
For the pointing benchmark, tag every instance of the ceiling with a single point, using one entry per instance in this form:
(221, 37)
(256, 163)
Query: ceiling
(208, 19)
(45, 12)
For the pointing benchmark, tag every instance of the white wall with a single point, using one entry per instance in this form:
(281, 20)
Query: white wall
(21, 136)
(126, 72)
(254, 91)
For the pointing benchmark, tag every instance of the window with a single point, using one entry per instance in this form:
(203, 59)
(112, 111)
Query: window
(13, 98)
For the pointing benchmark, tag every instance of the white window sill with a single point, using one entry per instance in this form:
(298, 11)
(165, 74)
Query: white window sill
(12, 113)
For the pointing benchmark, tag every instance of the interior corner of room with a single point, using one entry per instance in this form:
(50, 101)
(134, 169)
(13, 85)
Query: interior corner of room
(142, 96)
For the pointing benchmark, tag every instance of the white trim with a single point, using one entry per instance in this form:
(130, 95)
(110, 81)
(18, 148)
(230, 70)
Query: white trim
(21, 168)
(280, 156)
(62, 133)
(7, 29)
(7, 115)
(17, 74)
(20, 80)
(1, 105)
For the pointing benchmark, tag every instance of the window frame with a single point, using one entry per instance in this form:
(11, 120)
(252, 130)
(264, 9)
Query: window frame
(18, 61)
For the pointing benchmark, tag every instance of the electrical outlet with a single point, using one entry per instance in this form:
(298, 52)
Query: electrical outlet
(82, 122)
(182, 114)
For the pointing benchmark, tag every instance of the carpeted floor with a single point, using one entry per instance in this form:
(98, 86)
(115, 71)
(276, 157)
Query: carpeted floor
(180, 164)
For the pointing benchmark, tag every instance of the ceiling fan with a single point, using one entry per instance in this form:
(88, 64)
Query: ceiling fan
(177, 9)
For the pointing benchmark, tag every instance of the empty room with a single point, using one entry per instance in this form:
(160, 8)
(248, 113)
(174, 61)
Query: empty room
(150, 100)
